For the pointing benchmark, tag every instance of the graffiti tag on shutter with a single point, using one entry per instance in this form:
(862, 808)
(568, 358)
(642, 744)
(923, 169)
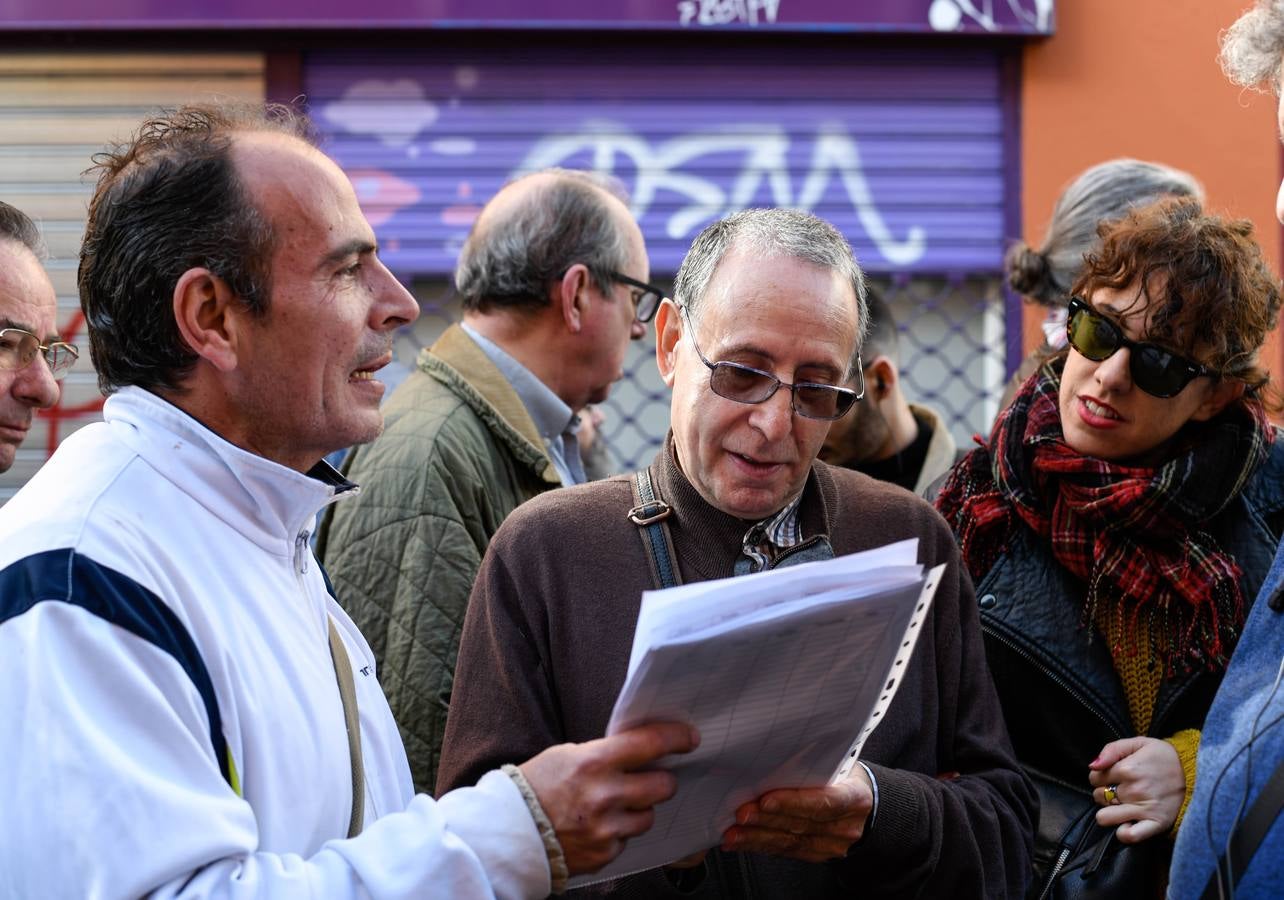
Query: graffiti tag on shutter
(835, 156)
(727, 12)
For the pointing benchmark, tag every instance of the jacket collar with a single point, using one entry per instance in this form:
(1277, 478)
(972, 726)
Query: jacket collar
(942, 452)
(550, 413)
(263, 500)
(457, 361)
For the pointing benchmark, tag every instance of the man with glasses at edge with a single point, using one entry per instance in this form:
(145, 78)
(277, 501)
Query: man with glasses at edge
(552, 284)
(32, 360)
(756, 345)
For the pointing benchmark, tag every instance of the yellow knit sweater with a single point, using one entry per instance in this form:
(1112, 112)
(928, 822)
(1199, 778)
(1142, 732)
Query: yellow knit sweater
(1141, 680)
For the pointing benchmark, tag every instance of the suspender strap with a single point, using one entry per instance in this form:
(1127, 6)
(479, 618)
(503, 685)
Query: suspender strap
(648, 513)
(1247, 835)
(348, 694)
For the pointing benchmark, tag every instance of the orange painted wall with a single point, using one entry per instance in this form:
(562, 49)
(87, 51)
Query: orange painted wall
(1140, 78)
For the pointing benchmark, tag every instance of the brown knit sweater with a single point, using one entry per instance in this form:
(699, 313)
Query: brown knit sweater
(545, 651)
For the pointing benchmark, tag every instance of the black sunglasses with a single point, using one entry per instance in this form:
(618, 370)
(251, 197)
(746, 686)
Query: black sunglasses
(646, 297)
(745, 384)
(1159, 372)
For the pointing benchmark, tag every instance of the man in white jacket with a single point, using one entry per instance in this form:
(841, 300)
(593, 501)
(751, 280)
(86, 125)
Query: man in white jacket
(184, 707)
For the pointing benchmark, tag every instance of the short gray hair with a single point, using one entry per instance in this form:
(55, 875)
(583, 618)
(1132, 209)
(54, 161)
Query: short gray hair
(511, 262)
(770, 233)
(1253, 46)
(16, 226)
(1103, 193)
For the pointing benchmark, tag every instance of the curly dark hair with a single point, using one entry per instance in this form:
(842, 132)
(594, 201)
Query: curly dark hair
(1216, 298)
(169, 200)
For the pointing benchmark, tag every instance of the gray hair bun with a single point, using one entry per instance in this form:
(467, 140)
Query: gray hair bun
(1103, 193)
(1028, 271)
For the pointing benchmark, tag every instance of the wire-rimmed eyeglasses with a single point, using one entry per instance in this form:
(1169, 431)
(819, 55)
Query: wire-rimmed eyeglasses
(745, 384)
(18, 349)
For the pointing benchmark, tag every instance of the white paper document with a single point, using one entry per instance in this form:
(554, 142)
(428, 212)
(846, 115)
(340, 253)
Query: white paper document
(784, 673)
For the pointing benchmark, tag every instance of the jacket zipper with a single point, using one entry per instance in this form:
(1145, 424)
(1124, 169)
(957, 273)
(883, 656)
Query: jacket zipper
(1069, 689)
(796, 548)
(301, 553)
(1056, 870)
(1155, 720)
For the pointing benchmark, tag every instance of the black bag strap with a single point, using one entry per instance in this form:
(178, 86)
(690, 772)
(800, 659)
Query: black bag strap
(1248, 835)
(648, 513)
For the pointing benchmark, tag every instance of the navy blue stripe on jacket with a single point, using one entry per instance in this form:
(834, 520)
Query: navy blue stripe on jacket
(64, 576)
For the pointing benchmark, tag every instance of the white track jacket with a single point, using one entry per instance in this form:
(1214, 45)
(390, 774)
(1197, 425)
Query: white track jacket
(169, 716)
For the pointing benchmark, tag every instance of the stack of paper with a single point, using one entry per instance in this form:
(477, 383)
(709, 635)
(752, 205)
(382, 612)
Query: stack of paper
(784, 673)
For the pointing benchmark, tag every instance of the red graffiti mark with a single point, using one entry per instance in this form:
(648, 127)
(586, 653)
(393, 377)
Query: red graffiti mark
(59, 413)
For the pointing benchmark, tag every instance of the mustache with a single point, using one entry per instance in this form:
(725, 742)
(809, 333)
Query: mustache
(373, 351)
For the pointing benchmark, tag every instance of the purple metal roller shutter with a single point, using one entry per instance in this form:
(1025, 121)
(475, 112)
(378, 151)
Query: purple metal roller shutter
(901, 148)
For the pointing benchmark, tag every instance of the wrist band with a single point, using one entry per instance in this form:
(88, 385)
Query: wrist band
(558, 871)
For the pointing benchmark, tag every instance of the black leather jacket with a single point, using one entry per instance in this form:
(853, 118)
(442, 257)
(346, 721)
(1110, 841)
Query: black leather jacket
(1061, 696)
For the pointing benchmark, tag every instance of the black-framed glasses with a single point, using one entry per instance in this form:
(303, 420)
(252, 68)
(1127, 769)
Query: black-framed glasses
(646, 297)
(18, 349)
(1157, 371)
(745, 384)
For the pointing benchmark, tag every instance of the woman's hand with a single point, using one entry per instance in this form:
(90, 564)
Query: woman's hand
(1148, 787)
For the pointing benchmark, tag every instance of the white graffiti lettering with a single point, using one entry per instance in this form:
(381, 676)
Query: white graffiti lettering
(835, 156)
(727, 12)
(948, 15)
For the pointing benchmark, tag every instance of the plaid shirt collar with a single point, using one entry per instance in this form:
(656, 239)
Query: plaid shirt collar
(780, 532)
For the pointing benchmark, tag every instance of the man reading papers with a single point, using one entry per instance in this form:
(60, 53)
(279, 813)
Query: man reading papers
(772, 669)
(756, 349)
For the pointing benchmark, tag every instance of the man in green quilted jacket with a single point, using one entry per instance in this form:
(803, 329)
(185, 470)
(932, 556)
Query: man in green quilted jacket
(552, 280)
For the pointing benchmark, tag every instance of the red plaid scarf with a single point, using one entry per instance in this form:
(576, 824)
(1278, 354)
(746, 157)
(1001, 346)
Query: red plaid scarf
(1133, 534)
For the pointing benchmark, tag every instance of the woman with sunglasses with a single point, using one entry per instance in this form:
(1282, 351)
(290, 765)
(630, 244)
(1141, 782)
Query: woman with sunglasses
(1117, 524)
(1043, 277)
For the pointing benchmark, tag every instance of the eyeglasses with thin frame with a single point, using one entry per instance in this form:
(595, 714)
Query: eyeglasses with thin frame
(745, 384)
(1156, 370)
(18, 349)
(646, 297)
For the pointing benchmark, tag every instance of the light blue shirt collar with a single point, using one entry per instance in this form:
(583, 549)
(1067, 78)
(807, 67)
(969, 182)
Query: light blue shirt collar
(556, 422)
